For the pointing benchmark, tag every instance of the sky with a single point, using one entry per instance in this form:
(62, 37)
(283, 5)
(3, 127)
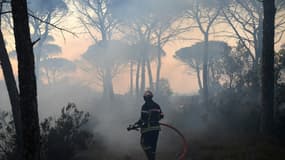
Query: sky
(173, 70)
(180, 79)
(178, 74)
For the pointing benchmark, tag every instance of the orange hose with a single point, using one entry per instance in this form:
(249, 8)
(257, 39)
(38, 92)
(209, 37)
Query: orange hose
(185, 145)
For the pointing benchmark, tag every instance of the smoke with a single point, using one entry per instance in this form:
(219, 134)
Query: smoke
(4, 99)
(132, 9)
(112, 115)
(43, 6)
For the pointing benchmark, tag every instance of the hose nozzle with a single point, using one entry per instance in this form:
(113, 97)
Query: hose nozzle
(133, 127)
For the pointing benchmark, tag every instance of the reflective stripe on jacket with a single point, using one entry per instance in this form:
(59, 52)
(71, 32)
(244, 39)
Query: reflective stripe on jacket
(150, 116)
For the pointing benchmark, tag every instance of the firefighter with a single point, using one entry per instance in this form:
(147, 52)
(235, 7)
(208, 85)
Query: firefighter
(151, 114)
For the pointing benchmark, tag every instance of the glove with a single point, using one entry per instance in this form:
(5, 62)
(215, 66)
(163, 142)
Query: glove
(133, 127)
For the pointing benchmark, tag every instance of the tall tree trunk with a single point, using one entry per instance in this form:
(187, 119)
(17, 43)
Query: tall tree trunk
(37, 34)
(149, 75)
(110, 88)
(108, 91)
(131, 78)
(47, 75)
(267, 76)
(27, 81)
(12, 91)
(158, 68)
(37, 66)
(138, 78)
(142, 76)
(205, 69)
(38, 55)
(258, 52)
(199, 77)
(105, 86)
(259, 38)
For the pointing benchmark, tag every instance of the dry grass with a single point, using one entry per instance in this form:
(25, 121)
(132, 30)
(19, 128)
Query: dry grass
(209, 147)
(236, 148)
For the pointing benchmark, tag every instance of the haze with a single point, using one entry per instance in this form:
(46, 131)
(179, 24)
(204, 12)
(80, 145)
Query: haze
(102, 55)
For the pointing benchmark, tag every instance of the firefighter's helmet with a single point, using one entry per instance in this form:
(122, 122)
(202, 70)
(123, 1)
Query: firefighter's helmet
(147, 94)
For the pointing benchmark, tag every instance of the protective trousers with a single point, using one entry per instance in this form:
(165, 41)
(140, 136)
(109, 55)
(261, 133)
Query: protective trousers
(149, 142)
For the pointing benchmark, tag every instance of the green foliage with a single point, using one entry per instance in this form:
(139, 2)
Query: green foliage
(279, 67)
(237, 111)
(279, 92)
(106, 54)
(66, 137)
(7, 136)
(61, 138)
(228, 67)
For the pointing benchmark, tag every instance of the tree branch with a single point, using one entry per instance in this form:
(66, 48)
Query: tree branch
(5, 12)
(61, 29)
(88, 30)
(240, 37)
(33, 43)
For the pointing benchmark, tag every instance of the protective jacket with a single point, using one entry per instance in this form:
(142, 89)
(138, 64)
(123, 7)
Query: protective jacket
(150, 116)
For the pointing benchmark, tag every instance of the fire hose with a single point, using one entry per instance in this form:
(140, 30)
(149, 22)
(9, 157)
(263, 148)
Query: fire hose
(182, 156)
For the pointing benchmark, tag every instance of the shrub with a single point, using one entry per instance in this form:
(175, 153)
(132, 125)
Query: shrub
(61, 138)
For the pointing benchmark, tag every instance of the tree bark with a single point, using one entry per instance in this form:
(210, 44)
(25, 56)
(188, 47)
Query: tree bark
(12, 91)
(267, 75)
(205, 69)
(198, 77)
(150, 75)
(208, 22)
(142, 89)
(158, 68)
(138, 78)
(27, 81)
(259, 37)
(108, 84)
(131, 78)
